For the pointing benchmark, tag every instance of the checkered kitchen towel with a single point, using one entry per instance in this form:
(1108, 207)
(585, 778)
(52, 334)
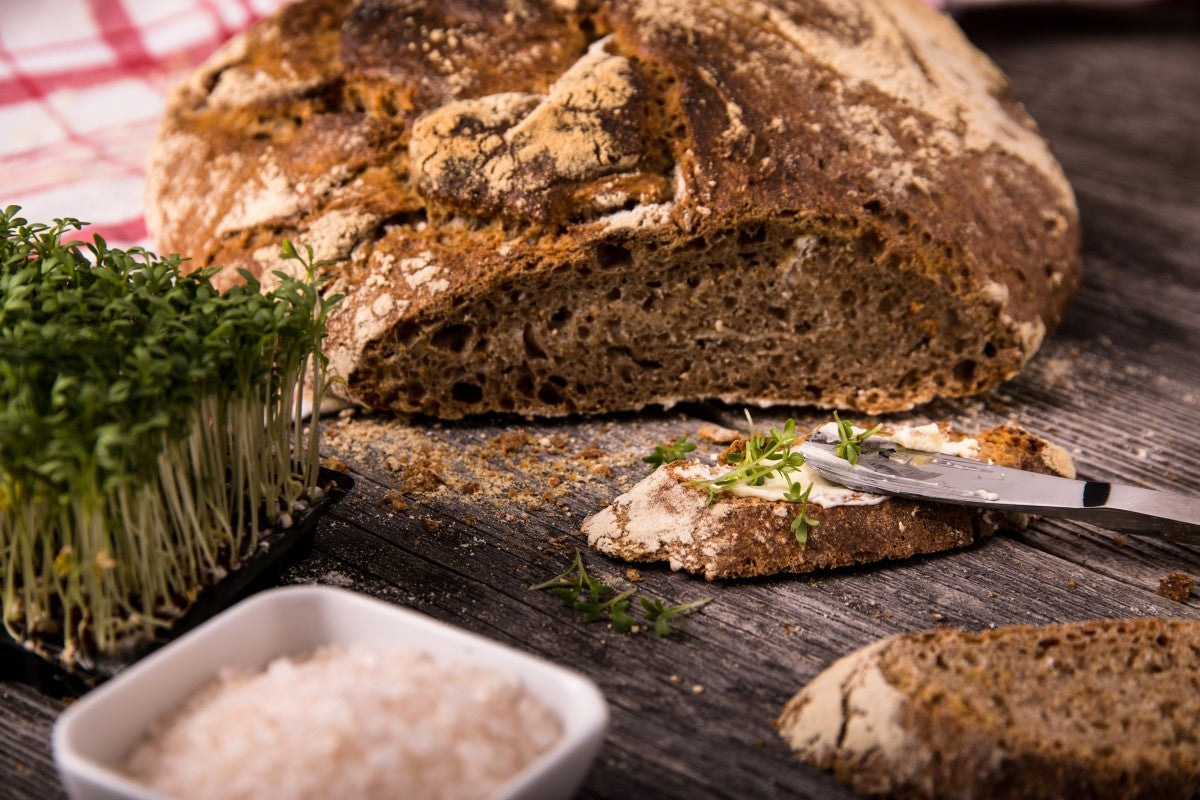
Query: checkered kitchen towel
(82, 84)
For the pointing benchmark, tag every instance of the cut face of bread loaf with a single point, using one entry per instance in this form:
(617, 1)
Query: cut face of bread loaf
(667, 517)
(565, 206)
(1106, 708)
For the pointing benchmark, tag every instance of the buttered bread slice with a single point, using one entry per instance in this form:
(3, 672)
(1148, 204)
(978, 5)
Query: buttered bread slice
(746, 531)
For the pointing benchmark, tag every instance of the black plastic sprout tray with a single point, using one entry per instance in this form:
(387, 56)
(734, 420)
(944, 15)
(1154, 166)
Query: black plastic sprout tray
(278, 548)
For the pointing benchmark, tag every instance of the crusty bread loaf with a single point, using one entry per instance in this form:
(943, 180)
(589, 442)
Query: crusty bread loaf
(665, 517)
(563, 206)
(1100, 709)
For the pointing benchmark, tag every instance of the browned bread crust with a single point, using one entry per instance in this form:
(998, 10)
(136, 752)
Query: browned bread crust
(1099, 709)
(665, 518)
(565, 206)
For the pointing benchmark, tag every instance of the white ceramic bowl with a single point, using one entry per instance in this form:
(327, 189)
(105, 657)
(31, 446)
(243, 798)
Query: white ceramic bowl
(95, 734)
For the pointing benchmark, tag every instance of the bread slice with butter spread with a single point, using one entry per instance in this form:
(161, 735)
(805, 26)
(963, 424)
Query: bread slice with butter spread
(668, 516)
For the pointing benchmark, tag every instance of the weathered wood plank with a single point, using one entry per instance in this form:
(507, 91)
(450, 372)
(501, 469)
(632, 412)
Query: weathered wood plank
(457, 520)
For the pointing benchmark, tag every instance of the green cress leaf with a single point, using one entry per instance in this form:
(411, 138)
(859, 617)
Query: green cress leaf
(666, 453)
(661, 614)
(849, 446)
(803, 523)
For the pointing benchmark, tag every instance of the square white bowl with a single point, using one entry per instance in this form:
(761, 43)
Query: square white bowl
(97, 733)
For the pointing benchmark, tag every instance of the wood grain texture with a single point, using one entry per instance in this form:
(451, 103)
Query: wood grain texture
(462, 537)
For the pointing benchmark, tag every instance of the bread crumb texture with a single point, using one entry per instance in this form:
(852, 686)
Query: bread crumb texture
(1103, 708)
(558, 207)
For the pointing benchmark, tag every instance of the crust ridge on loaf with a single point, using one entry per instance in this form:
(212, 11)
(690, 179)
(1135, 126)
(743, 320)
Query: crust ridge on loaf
(665, 517)
(573, 206)
(1103, 708)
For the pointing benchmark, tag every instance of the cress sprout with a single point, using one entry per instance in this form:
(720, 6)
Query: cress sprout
(150, 430)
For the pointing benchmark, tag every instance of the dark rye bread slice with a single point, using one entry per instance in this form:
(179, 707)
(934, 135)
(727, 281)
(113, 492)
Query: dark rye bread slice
(666, 518)
(563, 206)
(1100, 709)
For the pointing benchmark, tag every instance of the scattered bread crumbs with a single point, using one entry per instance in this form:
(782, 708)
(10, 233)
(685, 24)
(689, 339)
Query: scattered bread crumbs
(520, 467)
(717, 434)
(1071, 584)
(420, 480)
(556, 544)
(511, 441)
(395, 500)
(335, 463)
(697, 688)
(633, 576)
(1176, 586)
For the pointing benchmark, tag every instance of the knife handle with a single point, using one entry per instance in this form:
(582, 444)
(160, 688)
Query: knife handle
(1135, 510)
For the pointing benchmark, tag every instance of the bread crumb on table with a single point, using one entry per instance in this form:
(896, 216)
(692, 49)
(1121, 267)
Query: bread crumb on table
(1176, 586)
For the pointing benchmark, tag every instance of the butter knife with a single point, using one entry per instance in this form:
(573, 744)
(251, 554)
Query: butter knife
(886, 468)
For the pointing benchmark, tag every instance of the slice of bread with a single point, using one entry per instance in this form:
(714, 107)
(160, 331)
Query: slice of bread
(560, 206)
(667, 518)
(1099, 709)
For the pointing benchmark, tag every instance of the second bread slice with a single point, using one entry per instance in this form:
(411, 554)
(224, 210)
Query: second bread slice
(1105, 708)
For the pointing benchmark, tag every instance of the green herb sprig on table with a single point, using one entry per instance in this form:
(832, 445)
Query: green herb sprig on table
(150, 428)
(593, 599)
(666, 453)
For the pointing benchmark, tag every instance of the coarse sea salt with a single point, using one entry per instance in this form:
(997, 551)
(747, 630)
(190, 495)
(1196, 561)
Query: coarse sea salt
(354, 722)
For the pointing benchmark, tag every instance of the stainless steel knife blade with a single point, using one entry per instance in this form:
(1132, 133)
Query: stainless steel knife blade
(886, 468)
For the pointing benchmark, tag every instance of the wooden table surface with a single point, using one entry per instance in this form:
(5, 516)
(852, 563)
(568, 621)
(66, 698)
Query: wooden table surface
(457, 520)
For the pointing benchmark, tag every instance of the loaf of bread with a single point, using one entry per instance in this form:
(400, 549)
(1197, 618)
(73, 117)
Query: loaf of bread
(1100, 709)
(562, 206)
(668, 517)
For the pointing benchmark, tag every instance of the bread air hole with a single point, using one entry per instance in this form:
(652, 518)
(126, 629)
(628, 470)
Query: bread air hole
(559, 318)
(613, 255)
(468, 393)
(532, 349)
(452, 337)
(549, 394)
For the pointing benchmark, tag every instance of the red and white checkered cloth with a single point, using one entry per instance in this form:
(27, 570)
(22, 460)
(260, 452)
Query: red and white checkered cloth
(82, 84)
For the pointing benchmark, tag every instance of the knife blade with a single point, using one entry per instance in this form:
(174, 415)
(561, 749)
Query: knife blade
(886, 468)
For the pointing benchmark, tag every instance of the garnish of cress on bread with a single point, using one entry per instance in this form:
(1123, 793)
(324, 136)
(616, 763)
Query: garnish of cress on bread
(827, 494)
(653, 514)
